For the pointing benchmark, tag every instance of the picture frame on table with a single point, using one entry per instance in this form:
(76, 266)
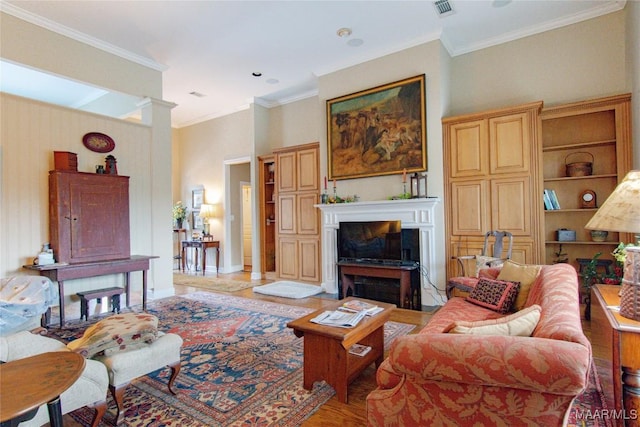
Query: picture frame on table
(378, 131)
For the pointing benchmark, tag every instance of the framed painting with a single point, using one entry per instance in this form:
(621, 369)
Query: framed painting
(196, 220)
(197, 197)
(379, 131)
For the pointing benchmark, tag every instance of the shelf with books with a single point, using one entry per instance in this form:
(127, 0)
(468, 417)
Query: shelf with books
(599, 129)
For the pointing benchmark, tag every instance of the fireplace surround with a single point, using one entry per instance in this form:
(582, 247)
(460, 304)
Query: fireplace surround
(413, 213)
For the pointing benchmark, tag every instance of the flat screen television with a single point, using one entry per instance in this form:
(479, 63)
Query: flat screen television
(369, 240)
(377, 240)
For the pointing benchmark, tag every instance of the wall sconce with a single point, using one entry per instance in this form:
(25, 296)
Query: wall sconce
(418, 185)
(621, 212)
(207, 211)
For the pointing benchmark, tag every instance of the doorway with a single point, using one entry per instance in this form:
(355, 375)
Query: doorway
(247, 225)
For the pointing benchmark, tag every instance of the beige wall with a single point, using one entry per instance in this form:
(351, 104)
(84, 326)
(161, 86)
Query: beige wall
(203, 150)
(31, 131)
(296, 123)
(572, 63)
(46, 50)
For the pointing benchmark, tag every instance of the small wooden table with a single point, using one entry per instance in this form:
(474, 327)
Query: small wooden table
(204, 245)
(326, 348)
(61, 272)
(617, 338)
(28, 383)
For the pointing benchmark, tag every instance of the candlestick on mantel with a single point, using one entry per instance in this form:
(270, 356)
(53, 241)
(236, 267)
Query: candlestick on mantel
(334, 184)
(404, 175)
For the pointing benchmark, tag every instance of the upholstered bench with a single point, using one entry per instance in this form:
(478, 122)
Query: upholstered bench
(130, 346)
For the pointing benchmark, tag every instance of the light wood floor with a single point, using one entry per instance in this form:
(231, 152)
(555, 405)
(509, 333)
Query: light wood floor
(333, 413)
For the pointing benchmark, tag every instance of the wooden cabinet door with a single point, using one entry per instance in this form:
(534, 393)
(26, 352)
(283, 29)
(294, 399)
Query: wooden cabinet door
(89, 216)
(511, 205)
(307, 169)
(308, 222)
(287, 217)
(286, 174)
(469, 208)
(509, 143)
(468, 148)
(309, 260)
(100, 220)
(288, 258)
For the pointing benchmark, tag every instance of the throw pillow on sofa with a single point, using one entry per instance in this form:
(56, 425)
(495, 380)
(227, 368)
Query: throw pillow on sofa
(496, 295)
(519, 324)
(525, 274)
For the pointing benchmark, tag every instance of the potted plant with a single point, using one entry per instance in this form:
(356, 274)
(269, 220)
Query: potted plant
(179, 214)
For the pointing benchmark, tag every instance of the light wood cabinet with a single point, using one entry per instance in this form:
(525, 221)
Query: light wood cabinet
(598, 129)
(492, 181)
(298, 225)
(267, 169)
(88, 216)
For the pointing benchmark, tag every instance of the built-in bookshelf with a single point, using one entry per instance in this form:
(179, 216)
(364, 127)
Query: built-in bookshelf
(595, 132)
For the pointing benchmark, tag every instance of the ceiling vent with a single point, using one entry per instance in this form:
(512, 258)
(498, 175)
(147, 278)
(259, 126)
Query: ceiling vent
(443, 7)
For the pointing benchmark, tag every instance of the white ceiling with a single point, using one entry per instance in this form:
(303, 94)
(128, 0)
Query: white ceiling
(213, 47)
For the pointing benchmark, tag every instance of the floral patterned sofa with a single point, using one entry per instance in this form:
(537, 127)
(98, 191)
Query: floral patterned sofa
(442, 379)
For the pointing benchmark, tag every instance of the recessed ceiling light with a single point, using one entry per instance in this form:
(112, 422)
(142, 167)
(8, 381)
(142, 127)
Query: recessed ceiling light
(256, 74)
(273, 81)
(355, 42)
(197, 94)
(344, 32)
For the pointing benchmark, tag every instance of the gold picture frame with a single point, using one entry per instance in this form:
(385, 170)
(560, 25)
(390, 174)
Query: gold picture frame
(379, 131)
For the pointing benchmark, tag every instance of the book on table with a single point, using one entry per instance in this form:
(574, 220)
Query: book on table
(356, 306)
(359, 349)
(339, 318)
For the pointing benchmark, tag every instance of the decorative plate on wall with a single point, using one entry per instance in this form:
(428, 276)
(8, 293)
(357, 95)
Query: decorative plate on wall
(98, 142)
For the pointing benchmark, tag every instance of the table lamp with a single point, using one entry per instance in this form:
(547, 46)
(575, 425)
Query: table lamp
(206, 212)
(621, 212)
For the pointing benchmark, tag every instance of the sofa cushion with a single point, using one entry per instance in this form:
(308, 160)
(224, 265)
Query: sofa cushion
(497, 295)
(119, 332)
(525, 274)
(520, 324)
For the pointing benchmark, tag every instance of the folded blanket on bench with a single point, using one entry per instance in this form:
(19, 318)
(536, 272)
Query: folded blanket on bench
(116, 333)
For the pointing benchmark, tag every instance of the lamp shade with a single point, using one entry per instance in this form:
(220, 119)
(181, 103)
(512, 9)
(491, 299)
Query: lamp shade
(207, 211)
(621, 210)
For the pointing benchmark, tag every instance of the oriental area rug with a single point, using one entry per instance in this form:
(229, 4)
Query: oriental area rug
(214, 284)
(241, 366)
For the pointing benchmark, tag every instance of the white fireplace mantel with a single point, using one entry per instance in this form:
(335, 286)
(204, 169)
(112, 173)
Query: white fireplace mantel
(413, 213)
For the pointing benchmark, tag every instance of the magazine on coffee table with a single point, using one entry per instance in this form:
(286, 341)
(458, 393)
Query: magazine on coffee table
(339, 318)
(356, 306)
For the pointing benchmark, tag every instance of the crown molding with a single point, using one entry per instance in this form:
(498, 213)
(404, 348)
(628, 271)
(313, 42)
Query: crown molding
(595, 12)
(34, 19)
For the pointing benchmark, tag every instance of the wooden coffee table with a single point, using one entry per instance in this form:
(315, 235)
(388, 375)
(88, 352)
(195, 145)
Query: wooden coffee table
(326, 348)
(33, 381)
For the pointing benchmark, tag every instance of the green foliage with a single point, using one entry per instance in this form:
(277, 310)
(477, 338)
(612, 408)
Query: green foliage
(179, 211)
